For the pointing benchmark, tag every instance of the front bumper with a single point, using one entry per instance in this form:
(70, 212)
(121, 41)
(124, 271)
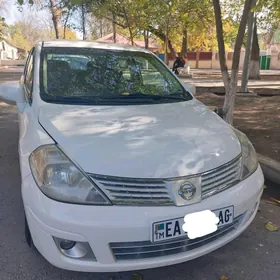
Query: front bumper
(102, 225)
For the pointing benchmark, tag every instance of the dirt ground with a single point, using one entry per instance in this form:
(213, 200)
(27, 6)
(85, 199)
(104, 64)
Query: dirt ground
(258, 117)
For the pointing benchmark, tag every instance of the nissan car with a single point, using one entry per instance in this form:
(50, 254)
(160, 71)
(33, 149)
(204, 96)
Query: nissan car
(115, 151)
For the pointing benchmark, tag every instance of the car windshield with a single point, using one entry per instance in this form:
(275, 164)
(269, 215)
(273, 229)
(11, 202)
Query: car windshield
(110, 77)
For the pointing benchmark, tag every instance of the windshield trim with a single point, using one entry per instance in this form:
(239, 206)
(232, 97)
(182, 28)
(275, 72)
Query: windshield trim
(44, 96)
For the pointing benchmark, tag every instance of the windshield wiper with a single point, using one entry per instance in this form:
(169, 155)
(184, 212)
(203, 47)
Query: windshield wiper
(120, 98)
(73, 99)
(130, 96)
(175, 97)
(179, 95)
(142, 96)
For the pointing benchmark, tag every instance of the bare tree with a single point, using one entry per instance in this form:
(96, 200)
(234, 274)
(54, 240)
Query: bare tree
(128, 25)
(56, 15)
(83, 20)
(230, 82)
(184, 47)
(255, 57)
(98, 27)
(65, 24)
(114, 27)
(146, 38)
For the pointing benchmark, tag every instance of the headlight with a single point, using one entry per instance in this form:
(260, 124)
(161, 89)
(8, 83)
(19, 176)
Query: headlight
(59, 179)
(249, 155)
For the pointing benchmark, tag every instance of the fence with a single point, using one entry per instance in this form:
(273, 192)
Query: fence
(207, 60)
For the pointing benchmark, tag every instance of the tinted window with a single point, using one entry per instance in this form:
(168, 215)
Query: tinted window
(95, 76)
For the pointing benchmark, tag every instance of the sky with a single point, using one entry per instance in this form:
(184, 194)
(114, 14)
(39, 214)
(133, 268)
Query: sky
(12, 14)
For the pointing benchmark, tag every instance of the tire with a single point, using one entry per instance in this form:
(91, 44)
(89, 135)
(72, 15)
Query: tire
(28, 236)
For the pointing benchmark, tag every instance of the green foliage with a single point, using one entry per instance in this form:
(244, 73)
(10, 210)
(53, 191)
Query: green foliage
(156, 16)
(3, 27)
(24, 34)
(160, 18)
(267, 13)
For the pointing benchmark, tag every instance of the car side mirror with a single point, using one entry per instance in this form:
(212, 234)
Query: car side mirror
(219, 111)
(190, 88)
(12, 92)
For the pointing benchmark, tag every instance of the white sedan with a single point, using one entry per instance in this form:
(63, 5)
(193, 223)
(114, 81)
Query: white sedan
(115, 152)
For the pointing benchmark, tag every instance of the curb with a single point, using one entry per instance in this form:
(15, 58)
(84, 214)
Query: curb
(264, 92)
(270, 168)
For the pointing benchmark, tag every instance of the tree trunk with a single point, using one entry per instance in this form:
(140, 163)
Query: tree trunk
(114, 28)
(83, 21)
(172, 49)
(101, 28)
(166, 58)
(184, 43)
(55, 17)
(146, 39)
(255, 57)
(230, 96)
(229, 101)
(221, 44)
(65, 24)
(197, 59)
(162, 37)
(129, 26)
(230, 85)
(269, 36)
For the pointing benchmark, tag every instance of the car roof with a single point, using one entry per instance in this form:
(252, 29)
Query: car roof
(89, 44)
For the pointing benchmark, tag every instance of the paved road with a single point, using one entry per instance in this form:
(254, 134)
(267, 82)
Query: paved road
(10, 74)
(254, 255)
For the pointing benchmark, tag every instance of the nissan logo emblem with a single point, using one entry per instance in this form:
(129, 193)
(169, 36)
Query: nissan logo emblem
(187, 191)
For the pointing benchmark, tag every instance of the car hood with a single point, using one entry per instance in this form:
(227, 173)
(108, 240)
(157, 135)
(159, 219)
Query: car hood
(141, 141)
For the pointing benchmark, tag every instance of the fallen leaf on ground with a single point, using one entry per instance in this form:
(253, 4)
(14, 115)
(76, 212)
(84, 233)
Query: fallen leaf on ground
(223, 277)
(271, 227)
(275, 200)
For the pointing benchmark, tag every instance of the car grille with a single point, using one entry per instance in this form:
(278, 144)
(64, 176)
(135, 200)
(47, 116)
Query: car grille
(146, 249)
(134, 191)
(129, 191)
(219, 179)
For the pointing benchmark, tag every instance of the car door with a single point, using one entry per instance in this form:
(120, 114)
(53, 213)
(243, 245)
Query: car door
(27, 120)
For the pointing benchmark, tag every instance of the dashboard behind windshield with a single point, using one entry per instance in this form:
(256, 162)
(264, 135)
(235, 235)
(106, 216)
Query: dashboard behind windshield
(97, 76)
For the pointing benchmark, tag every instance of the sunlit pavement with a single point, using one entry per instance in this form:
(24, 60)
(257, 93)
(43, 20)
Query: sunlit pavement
(10, 74)
(254, 255)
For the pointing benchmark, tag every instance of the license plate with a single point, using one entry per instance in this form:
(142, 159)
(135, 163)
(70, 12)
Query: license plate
(172, 229)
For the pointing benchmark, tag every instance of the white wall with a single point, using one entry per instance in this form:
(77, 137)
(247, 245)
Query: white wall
(214, 63)
(7, 51)
(275, 57)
